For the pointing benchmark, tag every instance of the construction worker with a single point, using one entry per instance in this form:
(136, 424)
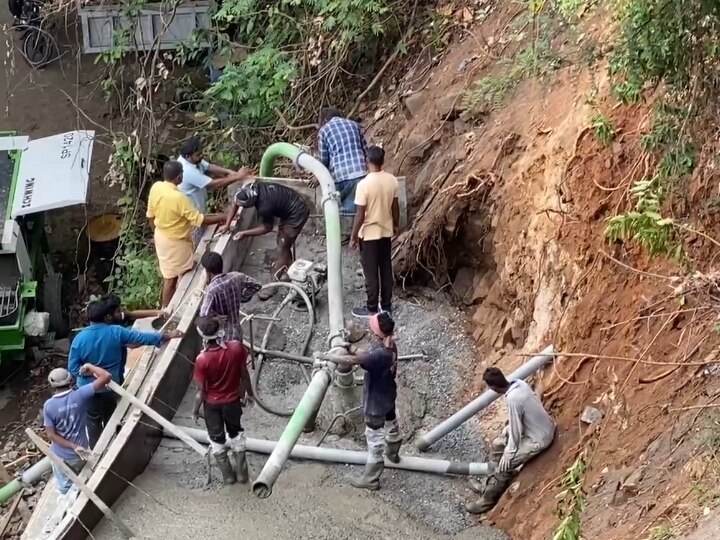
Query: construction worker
(376, 222)
(529, 433)
(172, 216)
(342, 149)
(273, 201)
(382, 431)
(222, 375)
(104, 344)
(125, 317)
(197, 178)
(65, 421)
(225, 293)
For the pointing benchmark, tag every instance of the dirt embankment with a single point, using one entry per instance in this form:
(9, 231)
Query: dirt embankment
(511, 207)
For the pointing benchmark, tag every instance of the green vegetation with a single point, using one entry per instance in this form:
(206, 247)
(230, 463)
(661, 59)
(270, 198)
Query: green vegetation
(645, 224)
(135, 277)
(603, 128)
(661, 532)
(571, 502)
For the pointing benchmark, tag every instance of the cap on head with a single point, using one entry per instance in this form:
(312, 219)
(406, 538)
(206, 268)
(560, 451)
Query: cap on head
(60, 378)
(246, 196)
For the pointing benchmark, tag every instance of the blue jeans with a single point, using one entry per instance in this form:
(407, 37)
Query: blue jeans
(63, 482)
(347, 194)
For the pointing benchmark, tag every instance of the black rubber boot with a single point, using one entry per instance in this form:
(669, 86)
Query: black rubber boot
(370, 478)
(480, 506)
(241, 467)
(392, 450)
(226, 468)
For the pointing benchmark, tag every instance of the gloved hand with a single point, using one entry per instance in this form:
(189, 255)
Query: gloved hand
(505, 462)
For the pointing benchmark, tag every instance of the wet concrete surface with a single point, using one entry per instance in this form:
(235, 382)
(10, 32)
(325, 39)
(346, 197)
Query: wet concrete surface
(173, 500)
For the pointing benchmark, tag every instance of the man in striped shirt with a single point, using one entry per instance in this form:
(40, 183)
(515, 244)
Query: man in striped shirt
(225, 293)
(342, 149)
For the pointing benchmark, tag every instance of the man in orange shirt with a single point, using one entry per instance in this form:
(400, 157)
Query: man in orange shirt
(376, 222)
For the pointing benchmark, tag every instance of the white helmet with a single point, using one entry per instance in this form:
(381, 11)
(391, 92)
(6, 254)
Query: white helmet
(60, 378)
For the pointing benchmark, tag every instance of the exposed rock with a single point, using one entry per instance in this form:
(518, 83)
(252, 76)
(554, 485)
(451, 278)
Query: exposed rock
(591, 415)
(449, 107)
(463, 284)
(414, 103)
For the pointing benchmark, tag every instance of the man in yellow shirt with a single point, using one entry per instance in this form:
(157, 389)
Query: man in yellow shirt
(376, 222)
(172, 216)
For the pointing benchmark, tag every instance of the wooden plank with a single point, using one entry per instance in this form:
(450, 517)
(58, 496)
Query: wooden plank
(22, 505)
(67, 471)
(164, 372)
(180, 434)
(8, 517)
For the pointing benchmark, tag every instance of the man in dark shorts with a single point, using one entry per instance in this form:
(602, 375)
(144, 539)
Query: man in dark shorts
(379, 395)
(273, 201)
(221, 373)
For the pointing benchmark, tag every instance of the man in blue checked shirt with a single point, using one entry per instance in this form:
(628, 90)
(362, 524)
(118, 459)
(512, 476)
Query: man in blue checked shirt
(342, 149)
(104, 344)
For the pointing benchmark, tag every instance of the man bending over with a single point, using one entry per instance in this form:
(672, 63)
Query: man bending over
(273, 201)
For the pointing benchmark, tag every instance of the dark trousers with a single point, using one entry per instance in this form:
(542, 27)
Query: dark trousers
(222, 417)
(377, 267)
(378, 422)
(99, 410)
(15, 7)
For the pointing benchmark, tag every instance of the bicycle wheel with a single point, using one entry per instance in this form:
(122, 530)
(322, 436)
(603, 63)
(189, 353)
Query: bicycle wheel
(36, 47)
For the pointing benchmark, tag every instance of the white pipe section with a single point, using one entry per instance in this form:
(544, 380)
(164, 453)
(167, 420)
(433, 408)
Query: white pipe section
(485, 399)
(354, 457)
(331, 209)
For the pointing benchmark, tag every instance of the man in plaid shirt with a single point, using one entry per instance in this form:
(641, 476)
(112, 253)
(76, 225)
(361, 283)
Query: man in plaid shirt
(342, 149)
(224, 294)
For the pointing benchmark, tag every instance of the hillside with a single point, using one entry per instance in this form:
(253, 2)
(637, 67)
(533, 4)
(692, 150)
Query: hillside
(513, 181)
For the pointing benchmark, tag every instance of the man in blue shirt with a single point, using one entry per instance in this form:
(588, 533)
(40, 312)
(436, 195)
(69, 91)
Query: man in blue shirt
(343, 150)
(64, 418)
(104, 344)
(197, 173)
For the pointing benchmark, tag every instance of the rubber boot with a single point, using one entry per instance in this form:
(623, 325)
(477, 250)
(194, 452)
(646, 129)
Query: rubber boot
(393, 440)
(241, 467)
(226, 468)
(392, 451)
(370, 478)
(481, 506)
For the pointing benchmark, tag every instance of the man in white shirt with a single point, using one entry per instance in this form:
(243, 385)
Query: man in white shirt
(529, 433)
(197, 177)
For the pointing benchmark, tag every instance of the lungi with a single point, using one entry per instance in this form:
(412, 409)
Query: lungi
(175, 257)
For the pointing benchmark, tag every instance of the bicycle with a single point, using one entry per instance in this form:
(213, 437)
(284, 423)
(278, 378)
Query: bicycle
(37, 46)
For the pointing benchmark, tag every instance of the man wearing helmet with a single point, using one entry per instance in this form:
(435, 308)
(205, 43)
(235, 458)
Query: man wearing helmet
(272, 201)
(64, 418)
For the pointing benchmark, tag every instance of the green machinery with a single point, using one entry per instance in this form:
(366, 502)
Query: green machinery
(36, 176)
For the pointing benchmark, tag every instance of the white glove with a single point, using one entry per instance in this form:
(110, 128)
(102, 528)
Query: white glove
(505, 462)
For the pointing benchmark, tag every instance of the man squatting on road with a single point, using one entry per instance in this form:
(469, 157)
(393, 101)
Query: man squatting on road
(225, 294)
(65, 421)
(376, 222)
(272, 201)
(379, 395)
(529, 433)
(221, 373)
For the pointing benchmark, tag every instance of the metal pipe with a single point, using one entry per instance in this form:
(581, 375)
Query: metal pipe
(485, 399)
(262, 487)
(315, 393)
(355, 457)
(29, 476)
(331, 210)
